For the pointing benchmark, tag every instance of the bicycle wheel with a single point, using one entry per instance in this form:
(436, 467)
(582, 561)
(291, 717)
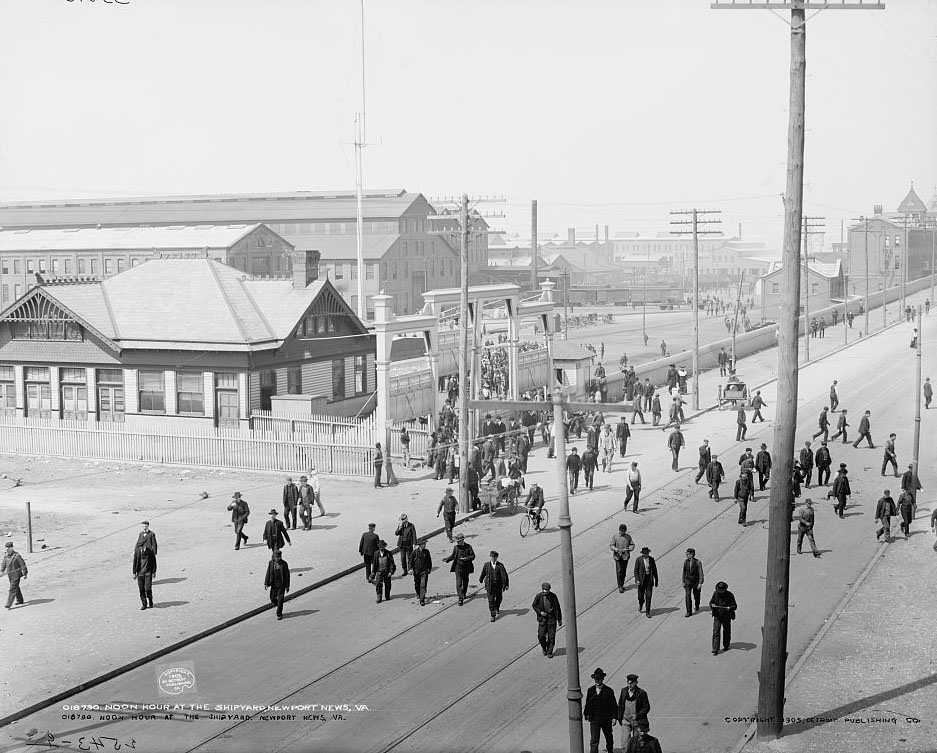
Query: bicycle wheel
(525, 525)
(544, 518)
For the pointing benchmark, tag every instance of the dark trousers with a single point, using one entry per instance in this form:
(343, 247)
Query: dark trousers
(723, 371)
(589, 477)
(573, 481)
(702, 471)
(420, 583)
(886, 528)
(834, 401)
(762, 479)
(743, 509)
(825, 432)
(368, 565)
(15, 593)
(405, 552)
(145, 584)
(808, 532)
(823, 475)
(238, 535)
(868, 437)
(844, 435)
(840, 505)
(906, 518)
(622, 447)
(722, 625)
(621, 572)
(597, 728)
(546, 634)
(382, 580)
(645, 592)
(494, 599)
(637, 412)
(656, 417)
(692, 594)
(714, 490)
(377, 474)
(808, 475)
(758, 416)
(636, 492)
(289, 514)
(740, 432)
(894, 464)
(676, 458)
(305, 512)
(461, 583)
(276, 597)
(448, 520)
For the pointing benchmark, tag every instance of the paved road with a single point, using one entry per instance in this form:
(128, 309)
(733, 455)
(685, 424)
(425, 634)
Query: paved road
(443, 678)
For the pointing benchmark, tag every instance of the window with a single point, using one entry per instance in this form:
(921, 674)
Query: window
(814, 288)
(81, 266)
(16, 266)
(108, 267)
(775, 287)
(72, 376)
(4, 293)
(38, 392)
(30, 269)
(190, 394)
(339, 271)
(134, 261)
(354, 272)
(121, 263)
(330, 324)
(338, 379)
(369, 271)
(110, 395)
(42, 265)
(55, 266)
(4, 267)
(226, 381)
(393, 270)
(294, 380)
(68, 266)
(152, 392)
(74, 401)
(7, 392)
(354, 303)
(46, 329)
(94, 266)
(227, 409)
(36, 373)
(359, 375)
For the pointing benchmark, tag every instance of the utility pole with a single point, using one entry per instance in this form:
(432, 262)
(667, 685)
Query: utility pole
(465, 392)
(771, 678)
(904, 264)
(359, 189)
(644, 306)
(565, 304)
(888, 275)
(933, 258)
(735, 321)
(917, 404)
(696, 232)
(865, 248)
(534, 283)
(806, 255)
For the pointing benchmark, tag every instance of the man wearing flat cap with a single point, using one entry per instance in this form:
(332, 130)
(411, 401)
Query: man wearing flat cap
(840, 490)
(447, 506)
(546, 608)
(239, 512)
(275, 532)
(723, 606)
(495, 577)
(645, 576)
(367, 547)
(643, 742)
(621, 547)
(461, 558)
(692, 580)
(600, 711)
(383, 568)
(633, 708)
(421, 564)
(14, 566)
(406, 540)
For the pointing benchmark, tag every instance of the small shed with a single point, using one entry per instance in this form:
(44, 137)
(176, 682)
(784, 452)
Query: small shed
(573, 366)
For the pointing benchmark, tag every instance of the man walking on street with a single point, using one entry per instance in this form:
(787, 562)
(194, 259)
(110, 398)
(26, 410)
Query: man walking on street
(495, 577)
(643, 741)
(841, 490)
(763, 466)
(758, 403)
(723, 606)
(805, 523)
(447, 506)
(421, 564)
(637, 409)
(715, 473)
(275, 532)
(589, 465)
(743, 491)
(144, 567)
(600, 711)
(865, 430)
(823, 461)
(621, 547)
(405, 447)
(384, 567)
(573, 466)
(147, 537)
(741, 425)
(645, 576)
(656, 411)
(314, 482)
(15, 568)
(623, 434)
(306, 497)
(290, 502)
(633, 486)
(705, 458)
(378, 462)
(834, 397)
(890, 456)
(907, 508)
(633, 708)
(806, 463)
(747, 466)
(406, 540)
(723, 359)
(546, 607)
(675, 441)
(910, 484)
(928, 392)
(824, 423)
(607, 442)
(277, 580)
(461, 558)
(692, 581)
(841, 427)
(884, 511)
(367, 547)
(239, 512)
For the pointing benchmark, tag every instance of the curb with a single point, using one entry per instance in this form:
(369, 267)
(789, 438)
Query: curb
(188, 640)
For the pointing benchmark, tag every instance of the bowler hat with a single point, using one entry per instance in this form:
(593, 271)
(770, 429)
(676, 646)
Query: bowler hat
(722, 586)
(237, 495)
(843, 466)
(272, 512)
(492, 553)
(645, 550)
(645, 725)
(403, 516)
(144, 522)
(598, 674)
(545, 586)
(382, 543)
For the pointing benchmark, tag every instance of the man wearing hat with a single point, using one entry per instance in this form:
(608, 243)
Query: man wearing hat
(633, 486)
(600, 711)
(147, 537)
(534, 503)
(910, 483)
(495, 577)
(239, 512)
(367, 547)
(633, 708)
(573, 466)
(275, 532)
(841, 490)
(15, 567)
(144, 565)
(723, 606)
(865, 430)
(715, 473)
(643, 742)
(645, 575)
(277, 580)
(378, 463)
(447, 506)
(383, 568)
(841, 427)
(884, 511)
(743, 491)
(692, 580)
(822, 460)
(406, 539)
(546, 607)
(316, 483)
(674, 442)
(741, 424)
(705, 457)
(461, 558)
(290, 502)
(763, 466)
(805, 523)
(421, 564)
(621, 547)
(306, 497)
(806, 462)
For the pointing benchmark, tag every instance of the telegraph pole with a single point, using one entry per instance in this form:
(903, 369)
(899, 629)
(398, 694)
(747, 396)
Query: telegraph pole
(933, 258)
(696, 232)
(904, 271)
(465, 392)
(771, 678)
(534, 283)
(917, 403)
(806, 255)
(866, 251)
(565, 304)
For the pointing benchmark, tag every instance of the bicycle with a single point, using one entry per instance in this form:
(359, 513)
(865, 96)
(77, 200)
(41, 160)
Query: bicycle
(527, 522)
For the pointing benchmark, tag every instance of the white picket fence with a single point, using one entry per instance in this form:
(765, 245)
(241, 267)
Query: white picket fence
(316, 428)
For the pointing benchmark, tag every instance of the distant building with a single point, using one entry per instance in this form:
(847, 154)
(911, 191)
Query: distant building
(723, 267)
(175, 343)
(825, 285)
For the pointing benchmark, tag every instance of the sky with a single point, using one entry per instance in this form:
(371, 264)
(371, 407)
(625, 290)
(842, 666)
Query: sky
(608, 112)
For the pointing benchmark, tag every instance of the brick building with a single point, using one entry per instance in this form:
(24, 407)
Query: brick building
(825, 285)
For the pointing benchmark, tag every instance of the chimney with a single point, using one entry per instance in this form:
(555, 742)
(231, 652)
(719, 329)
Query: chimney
(571, 237)
(305, 268)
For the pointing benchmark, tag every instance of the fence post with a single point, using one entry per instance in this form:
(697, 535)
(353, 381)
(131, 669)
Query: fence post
(29, 528)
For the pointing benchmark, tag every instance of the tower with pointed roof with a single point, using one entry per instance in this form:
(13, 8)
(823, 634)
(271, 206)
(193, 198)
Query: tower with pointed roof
(912, 204)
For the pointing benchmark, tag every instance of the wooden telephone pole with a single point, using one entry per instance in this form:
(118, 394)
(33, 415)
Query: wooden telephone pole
(696, 232)
(534, 282)
(771, 678)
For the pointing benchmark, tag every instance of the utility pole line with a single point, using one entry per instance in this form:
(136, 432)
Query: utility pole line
(808, 231)
(917, 404)
(906, 253)
(534, 286)
(465, 392)
(865, 248)
(771, 678)
(696, 232)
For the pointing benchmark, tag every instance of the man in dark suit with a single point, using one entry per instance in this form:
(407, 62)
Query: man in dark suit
(865, 430)
(461, 558)
(674, 442)
(705, 457)
(147, 537)
(383, 568)
(763, 466)
(406, 540)
(290, 501)
(633, 708)
(144, 567)
(546, 607)
(692, 580)
(278, 581)
(378, 462)
(275, 532)
(823, 460)
(600, 711)
(239, 512)
(421, 564)
(367, 547)
(573, 466)
(645, 576)
(495, 577)
(841, 425)
(841, 490)
(715, 474)
(589, 464)
(743, 492)
(723, 606)
(741, 424)
(824, 423)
